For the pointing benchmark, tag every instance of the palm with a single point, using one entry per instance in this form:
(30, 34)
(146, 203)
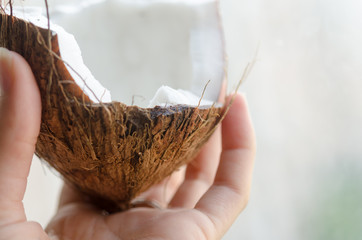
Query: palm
(82, 222)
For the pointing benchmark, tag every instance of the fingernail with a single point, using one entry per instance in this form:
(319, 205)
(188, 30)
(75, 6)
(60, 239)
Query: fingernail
(5, 66)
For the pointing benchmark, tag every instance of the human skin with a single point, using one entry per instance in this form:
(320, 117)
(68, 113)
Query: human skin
(199, 202)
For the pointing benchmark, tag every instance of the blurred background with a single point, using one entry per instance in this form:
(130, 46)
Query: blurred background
(305, 96)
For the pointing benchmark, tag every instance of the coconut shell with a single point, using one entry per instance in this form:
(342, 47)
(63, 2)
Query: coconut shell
(109, 151)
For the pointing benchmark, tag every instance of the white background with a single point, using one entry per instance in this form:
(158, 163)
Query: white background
(305, 95)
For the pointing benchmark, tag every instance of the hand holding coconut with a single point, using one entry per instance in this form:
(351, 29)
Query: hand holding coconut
(196, 210)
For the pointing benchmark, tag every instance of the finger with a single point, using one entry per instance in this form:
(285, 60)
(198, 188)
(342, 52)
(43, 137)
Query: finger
(162, 193)
(20, 111)
(200, 174)
(223, 89)
(228, 195)
(69, 195)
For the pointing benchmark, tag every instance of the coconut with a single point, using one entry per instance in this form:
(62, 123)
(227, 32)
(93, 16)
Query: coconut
(108, 150)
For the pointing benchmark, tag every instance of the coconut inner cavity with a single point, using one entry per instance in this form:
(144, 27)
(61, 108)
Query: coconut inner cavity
(134, 47)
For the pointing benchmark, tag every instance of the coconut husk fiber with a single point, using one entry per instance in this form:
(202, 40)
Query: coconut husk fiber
(109, 151)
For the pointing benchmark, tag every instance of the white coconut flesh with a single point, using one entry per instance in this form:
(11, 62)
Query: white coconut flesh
(141, 47)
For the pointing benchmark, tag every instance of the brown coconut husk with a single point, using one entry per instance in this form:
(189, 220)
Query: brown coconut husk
(109, 151)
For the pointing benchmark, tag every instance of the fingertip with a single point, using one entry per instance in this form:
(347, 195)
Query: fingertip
(237, 101)
(222, 93)
(21, 103)
(6, 60)
(237, 128)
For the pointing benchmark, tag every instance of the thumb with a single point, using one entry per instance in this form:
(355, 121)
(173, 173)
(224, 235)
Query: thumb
(20, 112)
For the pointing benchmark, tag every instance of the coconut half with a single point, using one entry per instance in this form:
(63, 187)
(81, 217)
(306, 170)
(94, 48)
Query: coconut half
(109, 150)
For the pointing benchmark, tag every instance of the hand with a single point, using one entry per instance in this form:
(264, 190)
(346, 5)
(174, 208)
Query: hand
(199, 202)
